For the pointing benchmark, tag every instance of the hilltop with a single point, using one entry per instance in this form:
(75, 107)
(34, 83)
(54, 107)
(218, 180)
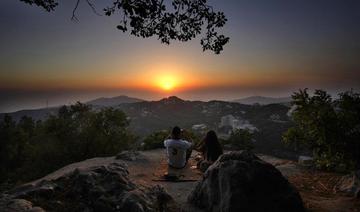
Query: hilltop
(263, 100)
(113, 101)
(43, 113)
(129, 181)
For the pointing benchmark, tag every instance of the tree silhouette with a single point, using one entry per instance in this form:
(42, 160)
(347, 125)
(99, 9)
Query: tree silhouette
(182, 21)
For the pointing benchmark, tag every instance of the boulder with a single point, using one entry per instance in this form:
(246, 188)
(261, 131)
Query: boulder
(96, 188)
(240, 181)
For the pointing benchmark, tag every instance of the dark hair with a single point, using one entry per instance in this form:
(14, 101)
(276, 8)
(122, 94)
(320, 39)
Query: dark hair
(176, 132)
(212, 147)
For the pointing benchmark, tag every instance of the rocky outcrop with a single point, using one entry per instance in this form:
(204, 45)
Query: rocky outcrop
(13, 205)
(240, 181)
(95, 188)
(130, 156)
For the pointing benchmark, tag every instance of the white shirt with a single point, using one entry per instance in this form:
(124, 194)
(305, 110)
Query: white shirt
(176, 151)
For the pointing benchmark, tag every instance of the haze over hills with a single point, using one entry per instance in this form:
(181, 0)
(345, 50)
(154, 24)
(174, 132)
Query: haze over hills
(262, 100)
(42, 113)
(113, 101)
(268, 122)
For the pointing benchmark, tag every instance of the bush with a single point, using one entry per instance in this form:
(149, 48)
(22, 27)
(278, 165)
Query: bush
(155, 140)
(29, 149)
(241, 139)
(330, 128)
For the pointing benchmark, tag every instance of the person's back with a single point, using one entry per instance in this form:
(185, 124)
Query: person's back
(176, 152)
(176, 149)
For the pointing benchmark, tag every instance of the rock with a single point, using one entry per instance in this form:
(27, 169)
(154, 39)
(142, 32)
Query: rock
(289, 169)
(99, 188)
(305, 160)
(350, 184)
(204, 165)
(240, 181)
(130, 156)
(18, 205)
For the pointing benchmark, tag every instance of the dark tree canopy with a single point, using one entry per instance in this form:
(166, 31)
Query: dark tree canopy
(330, 128)
(30, 149)
(182, 21)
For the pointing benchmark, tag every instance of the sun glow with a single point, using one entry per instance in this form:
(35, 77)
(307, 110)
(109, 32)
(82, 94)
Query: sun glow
(167, 83)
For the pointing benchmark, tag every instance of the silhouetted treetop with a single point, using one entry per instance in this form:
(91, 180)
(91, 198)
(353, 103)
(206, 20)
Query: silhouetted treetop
(182, 21)
(48, 5)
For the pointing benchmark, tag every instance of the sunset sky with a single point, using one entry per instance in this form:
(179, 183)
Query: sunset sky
(275, 48)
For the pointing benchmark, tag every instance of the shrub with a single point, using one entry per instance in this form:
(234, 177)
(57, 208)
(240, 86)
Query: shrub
(29, 150)
(155, 140)
(330, 128)
(241, 139)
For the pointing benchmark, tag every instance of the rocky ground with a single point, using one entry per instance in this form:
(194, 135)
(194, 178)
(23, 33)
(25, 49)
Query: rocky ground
(318, 190)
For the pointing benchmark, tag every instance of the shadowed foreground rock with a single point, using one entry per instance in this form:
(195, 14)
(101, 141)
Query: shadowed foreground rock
(98, 188)
(240, 181)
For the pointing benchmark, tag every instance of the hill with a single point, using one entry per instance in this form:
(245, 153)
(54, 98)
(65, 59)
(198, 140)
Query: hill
(263, 100)
(113, 101)
(268, 122)
(43, 113)
(36, 114)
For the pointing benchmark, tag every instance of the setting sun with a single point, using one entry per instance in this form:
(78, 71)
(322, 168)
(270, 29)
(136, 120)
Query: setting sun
(167, 83)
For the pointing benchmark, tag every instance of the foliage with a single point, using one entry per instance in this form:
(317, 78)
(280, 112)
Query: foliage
(156, 139)
(182, 21)
(330, 128)
(241, 139)
(48, 5)
(31, 149)
(191, 136)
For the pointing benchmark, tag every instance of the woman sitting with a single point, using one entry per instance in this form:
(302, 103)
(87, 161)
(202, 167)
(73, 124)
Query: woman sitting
(210, 148)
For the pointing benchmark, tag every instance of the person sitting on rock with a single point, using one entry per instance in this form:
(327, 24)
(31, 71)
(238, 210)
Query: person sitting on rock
(210, 148)
(177, 149)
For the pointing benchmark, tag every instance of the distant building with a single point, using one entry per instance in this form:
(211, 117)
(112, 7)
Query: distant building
(229, 123)
(274, 117)
(199, 128)
(227, 120)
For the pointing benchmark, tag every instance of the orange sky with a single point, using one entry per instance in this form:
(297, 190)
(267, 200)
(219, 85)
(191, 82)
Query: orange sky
(275, 48)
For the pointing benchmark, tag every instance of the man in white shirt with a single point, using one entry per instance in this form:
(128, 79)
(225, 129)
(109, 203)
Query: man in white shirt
(176, 149)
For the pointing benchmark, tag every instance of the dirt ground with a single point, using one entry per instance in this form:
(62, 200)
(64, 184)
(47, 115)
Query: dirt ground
(319, 193)
(151, 170)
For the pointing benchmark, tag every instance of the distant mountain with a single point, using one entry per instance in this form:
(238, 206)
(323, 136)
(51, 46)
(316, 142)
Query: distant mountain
(43, 113)
(36, 114)
(113, 101)
(262, 100)
(270, 120)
